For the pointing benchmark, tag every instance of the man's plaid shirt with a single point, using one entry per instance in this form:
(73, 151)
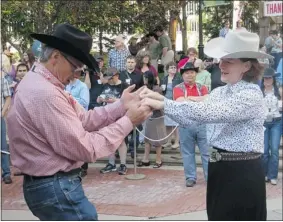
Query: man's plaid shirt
(117, 59)
(5, 91)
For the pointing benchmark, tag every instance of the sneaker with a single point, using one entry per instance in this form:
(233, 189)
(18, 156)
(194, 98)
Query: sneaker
(266, 179)
(190, 183)
(175, 146)
(273, 181)
(7, 180)
(109, 168)
(167, 145)
(122, 169)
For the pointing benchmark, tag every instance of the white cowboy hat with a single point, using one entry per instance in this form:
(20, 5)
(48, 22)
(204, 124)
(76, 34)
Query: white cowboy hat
(236, 44)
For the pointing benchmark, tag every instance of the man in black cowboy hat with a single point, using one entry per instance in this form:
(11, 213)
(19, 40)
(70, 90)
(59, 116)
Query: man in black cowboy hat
(51, 135)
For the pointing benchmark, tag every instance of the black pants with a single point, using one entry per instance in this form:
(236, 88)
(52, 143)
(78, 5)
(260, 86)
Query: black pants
(236, 191)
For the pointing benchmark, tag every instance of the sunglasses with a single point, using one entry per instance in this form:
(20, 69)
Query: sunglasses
(75, 67)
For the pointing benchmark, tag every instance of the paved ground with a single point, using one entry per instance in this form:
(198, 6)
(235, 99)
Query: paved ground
(161, 195)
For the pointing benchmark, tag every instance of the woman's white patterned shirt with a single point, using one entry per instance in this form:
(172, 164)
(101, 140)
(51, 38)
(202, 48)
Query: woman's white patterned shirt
(234, 115)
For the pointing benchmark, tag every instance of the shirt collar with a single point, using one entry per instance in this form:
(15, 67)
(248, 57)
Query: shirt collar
(237, 86)
(40, 69)
(75, 83)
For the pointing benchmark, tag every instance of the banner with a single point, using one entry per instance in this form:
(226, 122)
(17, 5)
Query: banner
(273, 8)
(213, 3)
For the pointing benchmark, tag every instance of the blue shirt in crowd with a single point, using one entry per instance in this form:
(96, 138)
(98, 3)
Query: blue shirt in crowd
(80, 92)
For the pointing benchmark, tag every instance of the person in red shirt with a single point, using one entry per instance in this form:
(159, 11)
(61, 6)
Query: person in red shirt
(194, 134)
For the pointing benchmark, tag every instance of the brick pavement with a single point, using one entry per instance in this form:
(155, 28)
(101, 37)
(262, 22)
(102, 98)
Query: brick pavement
(162, 193)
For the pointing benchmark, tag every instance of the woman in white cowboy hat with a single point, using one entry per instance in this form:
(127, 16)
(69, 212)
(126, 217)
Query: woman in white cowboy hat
(234, 115)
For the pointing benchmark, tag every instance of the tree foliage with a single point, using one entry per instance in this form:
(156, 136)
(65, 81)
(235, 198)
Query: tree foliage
(97, 17)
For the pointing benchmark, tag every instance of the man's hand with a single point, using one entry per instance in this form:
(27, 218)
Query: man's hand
(138, 113)
(100, 100)
(129, 97)
(111, 100)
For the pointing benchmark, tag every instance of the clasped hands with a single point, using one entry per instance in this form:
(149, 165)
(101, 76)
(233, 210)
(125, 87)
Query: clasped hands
(140, 104)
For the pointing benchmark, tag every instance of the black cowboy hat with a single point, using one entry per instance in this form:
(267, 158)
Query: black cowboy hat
(72, 41)
(188, 66)
(269, 72)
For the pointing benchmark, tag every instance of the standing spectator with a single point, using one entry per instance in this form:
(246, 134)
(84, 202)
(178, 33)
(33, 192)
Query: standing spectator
(132, 76)
(5, 104)
(154, 127)
(223, 32)
(272, 124)
(279, 78)
(95, 81)
(144, 64)
(28, 58)
(167, 84)
(268, 42)
(239, 25)
(117, 56)
(154, 49)
(192, 55)
(276, 50)
(21, 71)
(79, 90)
(167, 54)
(134, 46)
(215, 72)
(111, 92)
(263, 61)
(195, 133)
(203, 76)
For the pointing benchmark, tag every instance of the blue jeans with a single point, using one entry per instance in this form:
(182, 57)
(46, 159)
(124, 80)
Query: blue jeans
(272, 136)
(5, 162)
(56, 198)
(189, 137)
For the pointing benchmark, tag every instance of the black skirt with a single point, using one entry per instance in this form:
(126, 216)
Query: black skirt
(236, 190)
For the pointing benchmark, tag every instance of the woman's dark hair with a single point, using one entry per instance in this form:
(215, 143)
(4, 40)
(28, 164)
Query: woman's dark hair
(22, 64)
(151, 80)
(152, 34)
(255, 72)
(275, 87)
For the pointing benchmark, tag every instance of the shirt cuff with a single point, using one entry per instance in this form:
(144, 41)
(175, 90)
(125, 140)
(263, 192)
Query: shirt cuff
(121, 108)
(126, 124)
(167, 105)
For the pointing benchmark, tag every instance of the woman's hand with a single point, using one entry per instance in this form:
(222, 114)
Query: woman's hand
(152, 103)
(147, 93)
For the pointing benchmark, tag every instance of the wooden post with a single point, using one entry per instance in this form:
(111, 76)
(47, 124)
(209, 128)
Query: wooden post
(264, 24)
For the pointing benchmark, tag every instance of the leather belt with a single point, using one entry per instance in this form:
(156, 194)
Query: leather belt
(58, 174)
(218, 155)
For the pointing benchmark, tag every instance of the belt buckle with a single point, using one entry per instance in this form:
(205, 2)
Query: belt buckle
(215, 157)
